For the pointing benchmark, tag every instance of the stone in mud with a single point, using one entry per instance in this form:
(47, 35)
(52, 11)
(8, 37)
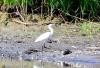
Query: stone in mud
(67, 52)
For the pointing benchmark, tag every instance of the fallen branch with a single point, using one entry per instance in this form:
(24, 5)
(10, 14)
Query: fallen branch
(20, 22)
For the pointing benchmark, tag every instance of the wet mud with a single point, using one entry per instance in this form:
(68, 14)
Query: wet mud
(17, 46)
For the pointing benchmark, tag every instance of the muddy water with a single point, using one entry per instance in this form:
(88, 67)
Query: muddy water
(41, 64)
(52, 60)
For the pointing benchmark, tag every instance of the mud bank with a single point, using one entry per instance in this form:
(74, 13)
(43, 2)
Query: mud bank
(18, 43)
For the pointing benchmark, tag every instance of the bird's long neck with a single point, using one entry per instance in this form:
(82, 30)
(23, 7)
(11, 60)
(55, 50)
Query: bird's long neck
(51, 29)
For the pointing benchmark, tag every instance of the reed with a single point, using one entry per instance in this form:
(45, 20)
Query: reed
(79, 8)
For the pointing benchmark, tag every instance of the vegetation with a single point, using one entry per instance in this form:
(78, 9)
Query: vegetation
(87, 28)
(71, 9)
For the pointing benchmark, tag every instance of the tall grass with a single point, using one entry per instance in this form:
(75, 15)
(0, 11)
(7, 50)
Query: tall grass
(79, 8)
(16, 2)
(64, 5)
(54, 4)
(89, 7)
(19, 3)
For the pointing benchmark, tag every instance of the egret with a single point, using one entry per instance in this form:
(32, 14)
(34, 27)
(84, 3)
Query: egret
(45, 36)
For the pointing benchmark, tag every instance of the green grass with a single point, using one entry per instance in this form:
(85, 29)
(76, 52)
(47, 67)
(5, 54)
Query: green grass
(87, 28)
(79, 8)
(89, 7)
(16, 2)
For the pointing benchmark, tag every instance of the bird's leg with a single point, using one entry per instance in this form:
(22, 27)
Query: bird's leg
(43, 46)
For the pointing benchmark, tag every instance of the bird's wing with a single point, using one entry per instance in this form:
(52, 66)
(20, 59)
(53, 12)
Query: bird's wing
(43, 37)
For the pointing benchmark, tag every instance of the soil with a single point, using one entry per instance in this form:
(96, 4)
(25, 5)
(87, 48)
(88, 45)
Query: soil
(68, 44)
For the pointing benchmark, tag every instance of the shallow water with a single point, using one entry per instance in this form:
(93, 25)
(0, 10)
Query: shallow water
(53, 60)
(8, 63)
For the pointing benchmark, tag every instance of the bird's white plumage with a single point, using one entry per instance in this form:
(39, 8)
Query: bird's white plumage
(43, 37)
(46, 35)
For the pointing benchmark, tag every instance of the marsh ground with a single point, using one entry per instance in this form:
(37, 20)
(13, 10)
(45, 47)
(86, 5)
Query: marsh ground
(17, 40)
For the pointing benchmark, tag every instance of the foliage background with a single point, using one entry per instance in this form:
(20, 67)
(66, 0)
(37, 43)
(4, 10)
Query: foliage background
(87, 9)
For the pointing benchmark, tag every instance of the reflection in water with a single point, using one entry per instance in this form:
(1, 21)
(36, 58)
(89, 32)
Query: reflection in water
(66, 64)
(34, 66)
(41, 64)
(77, 65)
(20, 56)
(63, 64)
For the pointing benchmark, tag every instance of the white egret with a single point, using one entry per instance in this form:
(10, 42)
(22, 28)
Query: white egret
(45, 36)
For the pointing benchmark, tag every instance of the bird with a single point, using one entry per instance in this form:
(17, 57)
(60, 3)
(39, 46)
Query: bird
(45, 36)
